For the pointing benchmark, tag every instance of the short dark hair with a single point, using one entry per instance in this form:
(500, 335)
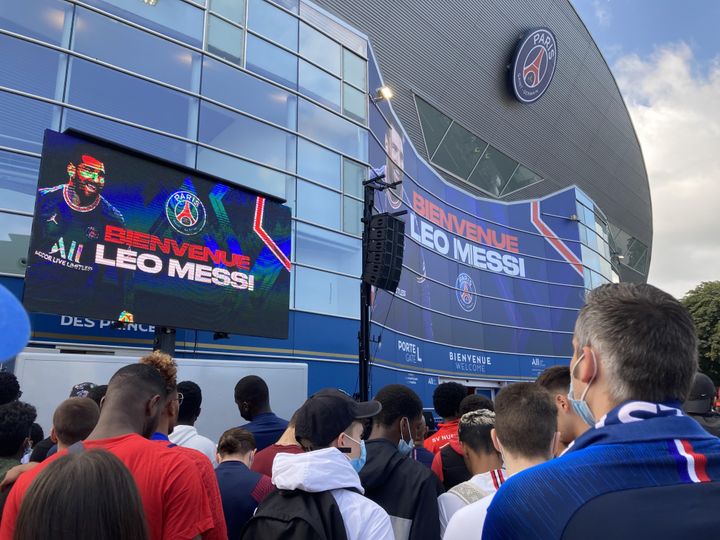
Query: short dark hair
(398, 401)
(36, 433)
(16, 418)
(555, 379)
(475, 402)
(236, 441)
(192, 400)
(474, 430)
(252, 389)
(97, 393)
(525, 419)
(646, 340)
(9, 387)
(137, 381)
(447, 397)
(74, 419)
(72, 488)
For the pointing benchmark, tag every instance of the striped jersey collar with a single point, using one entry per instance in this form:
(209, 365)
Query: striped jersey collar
(640, 421)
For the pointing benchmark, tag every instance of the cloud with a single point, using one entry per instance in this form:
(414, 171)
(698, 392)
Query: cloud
(601, 9)
(674, 107)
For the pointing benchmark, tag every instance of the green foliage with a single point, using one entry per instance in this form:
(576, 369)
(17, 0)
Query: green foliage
(703, 302)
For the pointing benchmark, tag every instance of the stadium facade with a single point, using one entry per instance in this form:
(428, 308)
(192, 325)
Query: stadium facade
(521, 173)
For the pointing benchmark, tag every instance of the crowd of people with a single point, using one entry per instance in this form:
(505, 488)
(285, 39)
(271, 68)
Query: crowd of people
(622, 443)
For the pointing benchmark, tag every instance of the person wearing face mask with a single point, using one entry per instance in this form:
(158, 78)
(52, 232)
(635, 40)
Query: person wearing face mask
(406, 489)
(319, 493)
(644, 469)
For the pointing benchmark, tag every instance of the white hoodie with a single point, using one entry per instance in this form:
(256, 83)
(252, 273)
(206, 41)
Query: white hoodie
(189, 437)
(330, 470)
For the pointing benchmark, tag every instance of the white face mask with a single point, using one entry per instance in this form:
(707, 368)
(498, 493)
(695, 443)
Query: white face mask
(405, 447)
(580, 406)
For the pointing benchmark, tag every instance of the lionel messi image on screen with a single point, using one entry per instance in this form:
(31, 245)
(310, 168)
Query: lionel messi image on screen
(70, 219)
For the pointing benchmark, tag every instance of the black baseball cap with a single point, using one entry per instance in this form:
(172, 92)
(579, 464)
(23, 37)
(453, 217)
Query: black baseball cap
(701, 395)
(328, 413)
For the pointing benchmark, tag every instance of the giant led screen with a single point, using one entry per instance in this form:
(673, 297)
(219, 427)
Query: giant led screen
(121, 236)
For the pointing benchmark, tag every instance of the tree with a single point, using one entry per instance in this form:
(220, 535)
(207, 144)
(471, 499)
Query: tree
(703, 302)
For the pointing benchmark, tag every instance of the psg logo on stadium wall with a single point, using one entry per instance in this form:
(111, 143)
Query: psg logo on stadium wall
(185, 212)
(533, 65)
(465, 292)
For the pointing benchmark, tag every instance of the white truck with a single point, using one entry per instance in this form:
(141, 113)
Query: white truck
(46, 378)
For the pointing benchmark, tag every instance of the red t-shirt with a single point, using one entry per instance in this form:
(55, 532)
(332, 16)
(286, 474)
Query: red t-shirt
(207, 472)
(448, 432)
(263, 461)
(171, 489)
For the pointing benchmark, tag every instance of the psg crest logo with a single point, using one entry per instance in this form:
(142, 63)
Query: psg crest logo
(465, 292)
(185, 212)
(533, 65)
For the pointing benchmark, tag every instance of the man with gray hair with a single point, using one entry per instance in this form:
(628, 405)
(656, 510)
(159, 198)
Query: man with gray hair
(644, 470)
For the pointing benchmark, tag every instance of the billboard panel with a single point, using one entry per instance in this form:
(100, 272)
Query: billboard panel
(120, 236)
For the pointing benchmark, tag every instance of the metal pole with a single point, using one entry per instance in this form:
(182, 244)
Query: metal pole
(164, 340)
(365, 292)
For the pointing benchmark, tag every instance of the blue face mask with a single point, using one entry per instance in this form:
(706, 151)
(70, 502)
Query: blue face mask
(359, 462)
(580, 406)
(405, 447)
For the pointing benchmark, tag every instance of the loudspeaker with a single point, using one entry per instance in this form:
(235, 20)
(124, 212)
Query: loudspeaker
(385, 248)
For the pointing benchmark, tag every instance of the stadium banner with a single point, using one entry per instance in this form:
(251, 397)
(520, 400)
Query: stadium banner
(121, 236)
(489, 288)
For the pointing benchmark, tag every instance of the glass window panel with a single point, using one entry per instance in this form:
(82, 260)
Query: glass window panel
(318, 204)
(319, 85)
(248, 93)
(459, 151)
(225, 40)
(523, 177)
(272, 62)
(127, 47)
(241, 172)
(113, 93)
(354, 69)
(246, 137)
(24, 121)
(354, 174)
(47, 20)
(18, 181)
(317, 163)
(326, 293)
(320, 49)
(173, 18)
(14, 243)
(151, 143)
(42, 79)
(354, 103)
(273, 23)
(434, 124)
(493, 171)
(329, 250)
(332, 130)
(290, 5)
(230, 9)
(352, 215)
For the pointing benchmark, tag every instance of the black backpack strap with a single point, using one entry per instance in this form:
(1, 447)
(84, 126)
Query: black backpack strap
(76, 448)
(296, 514)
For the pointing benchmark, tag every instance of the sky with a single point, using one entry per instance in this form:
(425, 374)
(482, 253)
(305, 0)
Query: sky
(665, 56)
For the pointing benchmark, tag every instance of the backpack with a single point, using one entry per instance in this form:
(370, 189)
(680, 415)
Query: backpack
(296, 514)
(453, 467)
